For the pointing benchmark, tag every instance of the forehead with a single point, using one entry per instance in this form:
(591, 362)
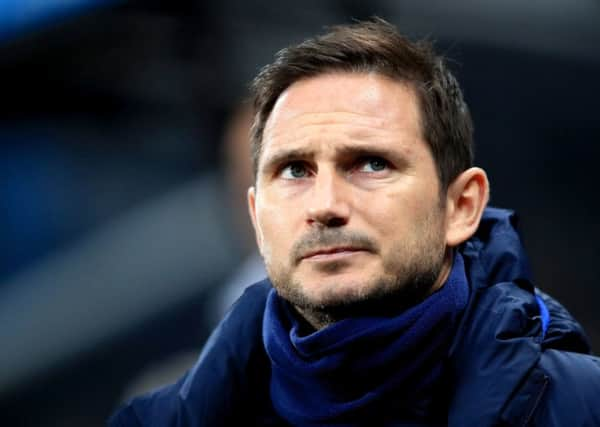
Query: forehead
(359, 106)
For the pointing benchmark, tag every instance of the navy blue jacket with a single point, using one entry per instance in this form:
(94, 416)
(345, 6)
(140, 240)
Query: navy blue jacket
(517, 359)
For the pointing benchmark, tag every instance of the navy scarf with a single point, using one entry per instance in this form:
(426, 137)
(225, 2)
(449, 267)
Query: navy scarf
(365, 371)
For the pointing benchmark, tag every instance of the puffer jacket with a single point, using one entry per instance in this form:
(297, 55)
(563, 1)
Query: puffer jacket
(518, 357)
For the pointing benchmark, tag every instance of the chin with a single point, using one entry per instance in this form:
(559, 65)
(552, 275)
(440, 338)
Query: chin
(335, 293)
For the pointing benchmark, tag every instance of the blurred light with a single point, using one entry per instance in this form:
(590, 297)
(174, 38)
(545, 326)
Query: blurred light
(18, 16)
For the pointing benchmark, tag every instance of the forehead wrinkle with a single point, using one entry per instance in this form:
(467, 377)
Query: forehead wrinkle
(333, 117)
(300, 139)
(359, 127)
(292, 121)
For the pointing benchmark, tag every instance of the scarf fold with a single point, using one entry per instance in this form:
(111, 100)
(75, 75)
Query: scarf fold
(358, 368)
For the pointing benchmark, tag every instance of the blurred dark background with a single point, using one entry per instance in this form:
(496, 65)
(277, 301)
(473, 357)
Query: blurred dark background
(117, 224)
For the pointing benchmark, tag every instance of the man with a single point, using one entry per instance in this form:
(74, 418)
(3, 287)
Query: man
(395, 297)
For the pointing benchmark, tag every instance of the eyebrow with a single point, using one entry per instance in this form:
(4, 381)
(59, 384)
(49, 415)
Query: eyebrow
(369, 150)
(286, 156)
(344, 152)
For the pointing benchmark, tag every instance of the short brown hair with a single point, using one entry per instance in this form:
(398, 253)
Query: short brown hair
(376, 46)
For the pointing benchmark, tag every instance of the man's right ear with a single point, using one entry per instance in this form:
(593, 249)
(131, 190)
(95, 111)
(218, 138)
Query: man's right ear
(466, 198)
(252, 211)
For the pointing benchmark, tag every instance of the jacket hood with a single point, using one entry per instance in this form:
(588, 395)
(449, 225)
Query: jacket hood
(495, 255)
(496, 252)
(502, 335)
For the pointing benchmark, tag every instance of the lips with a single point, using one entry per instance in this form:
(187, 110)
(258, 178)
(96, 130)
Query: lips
(323, 252)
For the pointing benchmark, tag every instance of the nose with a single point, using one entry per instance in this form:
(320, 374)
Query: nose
(328, 204)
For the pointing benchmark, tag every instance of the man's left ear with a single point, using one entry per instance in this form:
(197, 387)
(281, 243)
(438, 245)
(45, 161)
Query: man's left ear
(466, 198)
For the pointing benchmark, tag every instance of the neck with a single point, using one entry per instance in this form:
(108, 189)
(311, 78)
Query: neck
(442, 277)
(313, 320)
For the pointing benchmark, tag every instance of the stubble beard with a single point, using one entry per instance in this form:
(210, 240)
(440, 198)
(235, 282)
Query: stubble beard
(410, 270)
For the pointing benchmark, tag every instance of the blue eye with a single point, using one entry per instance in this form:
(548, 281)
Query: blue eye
(294, 170)
(374, 164)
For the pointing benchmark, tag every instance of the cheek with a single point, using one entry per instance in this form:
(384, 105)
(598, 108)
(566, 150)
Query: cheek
(393, 208)
(396, 213)
(275, 230)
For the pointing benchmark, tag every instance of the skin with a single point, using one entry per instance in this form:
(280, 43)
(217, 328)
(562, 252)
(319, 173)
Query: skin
(346, 205)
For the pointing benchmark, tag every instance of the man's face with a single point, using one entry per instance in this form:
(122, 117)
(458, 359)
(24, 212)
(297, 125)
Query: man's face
(347, 203)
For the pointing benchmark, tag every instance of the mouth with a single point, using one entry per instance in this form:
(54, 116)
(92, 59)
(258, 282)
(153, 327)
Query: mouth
(327, 254)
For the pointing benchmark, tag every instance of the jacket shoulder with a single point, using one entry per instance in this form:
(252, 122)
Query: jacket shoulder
(219, 381)
(572, 387)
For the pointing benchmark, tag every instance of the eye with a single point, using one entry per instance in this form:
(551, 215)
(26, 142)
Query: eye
(373, 164)
(294, 170)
